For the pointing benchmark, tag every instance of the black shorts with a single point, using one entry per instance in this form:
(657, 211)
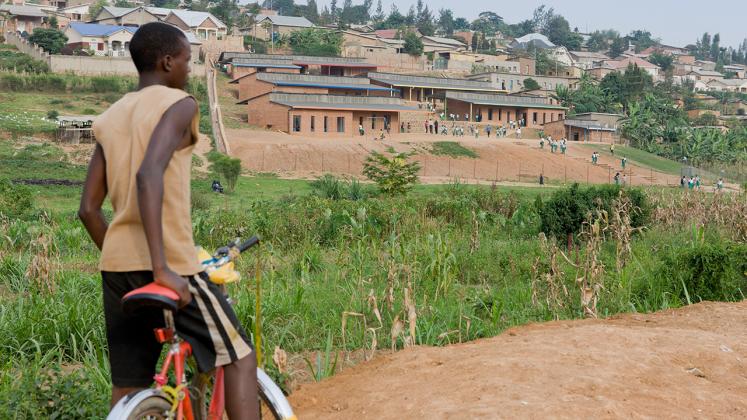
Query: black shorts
(208, 324)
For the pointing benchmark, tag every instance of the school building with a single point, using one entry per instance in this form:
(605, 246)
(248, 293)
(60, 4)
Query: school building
(258, 84)
(499, 109)
(590, 126)
(329, 66)
(326, 115)
(428, 89)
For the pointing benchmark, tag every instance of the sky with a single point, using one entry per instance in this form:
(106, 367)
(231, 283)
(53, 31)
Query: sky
(675, 22)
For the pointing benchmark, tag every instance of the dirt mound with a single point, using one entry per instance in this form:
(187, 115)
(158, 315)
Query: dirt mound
(685, 363)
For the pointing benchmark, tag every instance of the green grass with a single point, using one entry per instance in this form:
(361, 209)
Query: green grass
(639, 157)
(452, 149)
(467, 251)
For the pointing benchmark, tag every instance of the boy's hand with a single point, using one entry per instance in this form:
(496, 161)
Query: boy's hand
(176, 283)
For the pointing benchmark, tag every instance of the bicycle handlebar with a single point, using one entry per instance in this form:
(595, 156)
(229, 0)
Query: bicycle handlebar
(254, 240)
(225, 250)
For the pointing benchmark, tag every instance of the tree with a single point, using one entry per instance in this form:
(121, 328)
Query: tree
(225, 10)
(379, 16)
(446, 22)
(395, 19)
(283, 7)
(53, 22)
(715, 52)
(559, 32)
(461, 23)
(618, 46)
(50, 40)
(226, 167)
(316, 42)
(312, 12)
(665, 61)
(394, 175)
(413, 44)
(96, 7)
(531, 84)
(411, 16)
(641, 40)
(541, 18)
(425, 22)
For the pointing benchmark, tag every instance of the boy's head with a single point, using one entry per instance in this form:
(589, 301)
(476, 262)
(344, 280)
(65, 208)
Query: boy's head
(162, 49)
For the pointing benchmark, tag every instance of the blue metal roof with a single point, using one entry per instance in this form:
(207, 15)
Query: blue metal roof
(333, 86)
(271, 66)
(95, 29)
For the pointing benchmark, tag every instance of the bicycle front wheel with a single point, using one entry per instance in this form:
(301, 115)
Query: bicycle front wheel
(148, 404)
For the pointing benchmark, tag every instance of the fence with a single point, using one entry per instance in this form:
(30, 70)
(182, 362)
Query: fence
(311, 163)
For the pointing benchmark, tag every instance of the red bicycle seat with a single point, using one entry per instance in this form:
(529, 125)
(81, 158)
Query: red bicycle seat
(150, 295)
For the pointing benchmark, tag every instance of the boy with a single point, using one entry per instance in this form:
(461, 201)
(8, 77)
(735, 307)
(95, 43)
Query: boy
(142, 162)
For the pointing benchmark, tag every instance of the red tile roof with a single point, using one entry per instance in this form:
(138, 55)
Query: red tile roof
(625, 61)
(387, 33)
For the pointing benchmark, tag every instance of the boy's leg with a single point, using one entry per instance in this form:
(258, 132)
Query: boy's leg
(211, 327)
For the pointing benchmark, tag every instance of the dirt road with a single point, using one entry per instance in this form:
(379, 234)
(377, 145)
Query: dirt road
(685, 363)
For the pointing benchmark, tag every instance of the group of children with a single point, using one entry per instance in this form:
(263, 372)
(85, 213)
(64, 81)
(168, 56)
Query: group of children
(693, 183)
(561, 144)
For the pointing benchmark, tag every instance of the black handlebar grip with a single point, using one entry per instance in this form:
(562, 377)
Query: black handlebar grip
(254, 240)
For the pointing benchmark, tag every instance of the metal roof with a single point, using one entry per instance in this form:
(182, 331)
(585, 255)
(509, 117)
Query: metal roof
(95, 29)
(279, 20)
(502, 100)
(23, 10)
(118, 11)
(589, 125)
(361, 103)
(195, 19)
(431, 82)
(538, 40)
(236, 57)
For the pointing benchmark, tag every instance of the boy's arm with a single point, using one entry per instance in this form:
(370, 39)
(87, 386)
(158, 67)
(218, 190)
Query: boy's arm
(94, 193)
(172, 133)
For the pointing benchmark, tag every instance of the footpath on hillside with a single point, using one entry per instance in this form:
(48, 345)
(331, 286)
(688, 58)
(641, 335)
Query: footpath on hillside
(683, 363)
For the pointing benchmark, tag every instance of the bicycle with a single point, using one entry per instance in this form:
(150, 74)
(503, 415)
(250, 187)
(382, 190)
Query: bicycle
(202, 398)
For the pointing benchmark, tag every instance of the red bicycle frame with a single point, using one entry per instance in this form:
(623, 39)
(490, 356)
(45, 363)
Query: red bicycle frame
(179, 352)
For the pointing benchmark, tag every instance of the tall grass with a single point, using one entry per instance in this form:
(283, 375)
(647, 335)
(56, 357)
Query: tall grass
(420, 270)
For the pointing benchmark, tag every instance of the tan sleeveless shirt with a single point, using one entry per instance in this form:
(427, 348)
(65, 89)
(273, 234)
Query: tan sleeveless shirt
(124, 132)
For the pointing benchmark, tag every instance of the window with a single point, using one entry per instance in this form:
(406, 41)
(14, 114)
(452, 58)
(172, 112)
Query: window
(360, 121)
(490, 114)
(500, 114)
(373, 121)
(340, 124)
(534, 117)
(544, 118)
(101, 46)
(575, 136)
(326, 124)
(313, 123)
(296, 123)
(560, 116)
(508, 115)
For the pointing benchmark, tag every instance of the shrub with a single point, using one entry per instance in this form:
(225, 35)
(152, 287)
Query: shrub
(328, 186)
(200, 201)
(16, 201)
(52, 115)
(227, 167)
(565, 212)
(51, 40)
(393, 175)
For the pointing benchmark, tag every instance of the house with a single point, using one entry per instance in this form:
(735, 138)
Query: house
(257, 84)
(466, 36)
(467, 61)
(124, 16)
(739, 70)
(561, 55)
(438, 44)
(77, 13)
(105, 40)
(265, 25)
(326, 115)
(537, 40)
(622, 63)
(727, 85)
(704, 76)
(514, 83)
(663, 49)
(21, 18)
(499, 109)
(202, 24)
(591, 126)
(586, 59)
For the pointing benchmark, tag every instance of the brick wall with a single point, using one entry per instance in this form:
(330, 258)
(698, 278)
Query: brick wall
(502, 115)
(263, 113)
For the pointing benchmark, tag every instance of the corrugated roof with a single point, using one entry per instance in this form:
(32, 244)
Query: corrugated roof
(118, 11)
(161, 11)
(539, 41)
(23, 10)
(194, 19)
(502, 100)
(447, 41)
(431, 82)
(95, 29)
(360, 103)
(297, 21)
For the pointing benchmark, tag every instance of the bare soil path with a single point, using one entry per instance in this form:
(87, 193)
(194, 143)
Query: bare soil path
(675, 364)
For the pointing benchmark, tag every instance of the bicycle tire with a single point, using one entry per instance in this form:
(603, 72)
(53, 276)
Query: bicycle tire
(145, 404)
(271, 406)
